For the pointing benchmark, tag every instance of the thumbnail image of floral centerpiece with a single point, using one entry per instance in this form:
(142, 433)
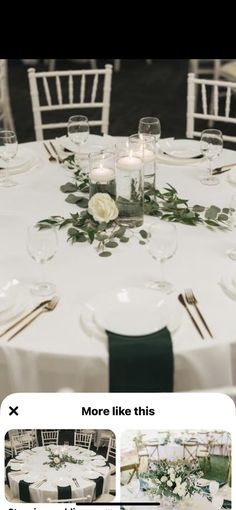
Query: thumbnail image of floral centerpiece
(58, 459)
(173, 480)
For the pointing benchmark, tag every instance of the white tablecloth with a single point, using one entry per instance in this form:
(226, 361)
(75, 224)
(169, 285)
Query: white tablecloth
(34, 463)
(54, 352)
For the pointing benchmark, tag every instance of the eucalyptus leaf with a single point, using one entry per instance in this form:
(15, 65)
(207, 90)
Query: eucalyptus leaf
(111, 244)
(69, 187)
(105, 254)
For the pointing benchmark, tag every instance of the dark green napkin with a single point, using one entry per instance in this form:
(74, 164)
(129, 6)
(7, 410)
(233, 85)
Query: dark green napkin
(8, 470)
(141, 363)
(64, 492)
(99, 486)
(24, 491)
(227, 503)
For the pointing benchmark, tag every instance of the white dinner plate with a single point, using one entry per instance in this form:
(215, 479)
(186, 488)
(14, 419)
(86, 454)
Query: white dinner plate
(202, 482)
(23, 161)
(63, 482)
(18, 298)
(31, 477)
(92, 475)
(179, 152)
(93, 145)
(99, 462)
(129, 311)
(16, 466)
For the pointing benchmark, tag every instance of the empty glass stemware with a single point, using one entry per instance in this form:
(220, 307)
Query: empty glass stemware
(211, 146)
(42, 246)
(78, 129)
(8, 150)
(149, 126)
(162, 245)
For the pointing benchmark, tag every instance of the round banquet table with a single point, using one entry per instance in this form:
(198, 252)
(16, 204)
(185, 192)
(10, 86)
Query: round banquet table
(33, 464)
(54, 351)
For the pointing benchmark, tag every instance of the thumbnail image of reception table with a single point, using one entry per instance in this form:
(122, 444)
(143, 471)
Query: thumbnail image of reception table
(38, 475)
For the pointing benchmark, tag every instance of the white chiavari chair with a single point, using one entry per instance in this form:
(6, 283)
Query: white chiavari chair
(6, 118)
(19, 443)
(210, 108)
(103, 437)
(49, 437)
(63, 91)
(83, 440)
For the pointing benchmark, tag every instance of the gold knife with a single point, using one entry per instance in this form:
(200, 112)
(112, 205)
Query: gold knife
(49, 306)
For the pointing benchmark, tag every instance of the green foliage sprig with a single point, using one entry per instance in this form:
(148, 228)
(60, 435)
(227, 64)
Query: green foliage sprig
(57, 460)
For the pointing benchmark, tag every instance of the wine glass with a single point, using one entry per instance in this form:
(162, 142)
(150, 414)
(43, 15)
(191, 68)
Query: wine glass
(78, 129)
(149, 126)
(8, 150)
(42, 246)
(162, 245)
(211, 146)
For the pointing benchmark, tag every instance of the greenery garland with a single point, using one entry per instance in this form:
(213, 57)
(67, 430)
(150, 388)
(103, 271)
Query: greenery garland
(166, 205)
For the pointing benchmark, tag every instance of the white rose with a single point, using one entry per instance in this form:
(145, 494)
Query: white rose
(178, 480)
(164, 478)
(56, 460)
(172, 477)
(171, 470)
(169, 483)
(102, 207)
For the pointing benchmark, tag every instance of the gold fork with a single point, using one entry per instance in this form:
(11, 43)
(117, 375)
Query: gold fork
(60, 160)
(192, 300)
(48, 306)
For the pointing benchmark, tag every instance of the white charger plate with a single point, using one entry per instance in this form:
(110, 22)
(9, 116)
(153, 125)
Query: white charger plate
(18, 298)
(92, 475)
(131, 311)
(93, 145)
(16, 466)
(179, 152)
(63, 482)
(31, 478)
(23, 161)
(99, 462)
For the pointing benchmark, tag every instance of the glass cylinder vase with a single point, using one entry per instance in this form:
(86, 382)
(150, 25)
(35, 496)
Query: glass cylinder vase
(102, 176)
(146, 149)
(129, 188)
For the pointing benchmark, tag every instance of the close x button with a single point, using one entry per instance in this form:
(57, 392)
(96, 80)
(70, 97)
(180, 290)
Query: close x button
(13, 410)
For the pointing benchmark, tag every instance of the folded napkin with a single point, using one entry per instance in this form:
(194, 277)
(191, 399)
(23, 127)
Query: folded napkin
(64, 492)
(99, 486)
(141, 363)
(227, 503)
(24, 491)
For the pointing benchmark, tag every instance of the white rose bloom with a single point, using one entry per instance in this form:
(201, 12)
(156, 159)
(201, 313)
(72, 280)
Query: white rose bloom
(169, 483)
(172, 477)
(175, 491)
(178, 480)
(164, 478)
(56, 460)
(102, 207)
(171, 470)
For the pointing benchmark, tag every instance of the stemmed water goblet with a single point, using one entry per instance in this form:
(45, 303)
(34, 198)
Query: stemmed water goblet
(211, 146)
(78, 129)
(42, 246)
(149, 126)
(8, 150)
(162, 245)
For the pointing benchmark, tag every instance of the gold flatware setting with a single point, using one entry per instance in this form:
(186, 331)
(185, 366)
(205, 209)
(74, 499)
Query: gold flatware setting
(183, 303)
(44, 307)
(55, 151)
(192, 300)
(222, 169)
